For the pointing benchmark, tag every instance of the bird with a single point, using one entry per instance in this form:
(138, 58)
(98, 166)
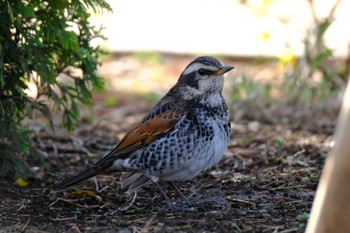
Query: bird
(185, 133)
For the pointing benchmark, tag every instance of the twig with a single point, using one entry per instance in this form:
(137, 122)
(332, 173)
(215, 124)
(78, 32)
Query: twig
(300, 152)
(98, 190)
(288, 187)
(292, 202)
(64, 219)
(147, 227)
(72, 202)
(230, 199)
(313, 12)
(58, 199)
(21, 207)
(334, 7)
(330, 14)
(290, 230)
(237, 227)
(127, 206)
(76, 229)
(25, 225)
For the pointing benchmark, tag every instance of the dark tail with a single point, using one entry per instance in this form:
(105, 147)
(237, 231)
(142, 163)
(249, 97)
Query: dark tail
(90, 172)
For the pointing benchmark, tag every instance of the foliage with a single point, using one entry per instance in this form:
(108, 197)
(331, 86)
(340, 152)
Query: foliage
(246, 90)
(149, 57)
(302, 219)
(43, 44)
(14, 138)
(315, 77)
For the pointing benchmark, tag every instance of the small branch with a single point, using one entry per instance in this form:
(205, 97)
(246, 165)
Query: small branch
(251, 203)
(313, 11)
(290, 230)
(334, 7)
(25, 225)
(64, 219)
(289, 187)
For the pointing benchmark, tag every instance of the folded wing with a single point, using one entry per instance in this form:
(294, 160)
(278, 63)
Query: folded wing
(160, 121)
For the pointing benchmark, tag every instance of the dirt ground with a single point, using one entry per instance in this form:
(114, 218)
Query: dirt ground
(265, 183)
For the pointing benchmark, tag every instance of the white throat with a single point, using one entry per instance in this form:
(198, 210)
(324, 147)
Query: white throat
(213, 99)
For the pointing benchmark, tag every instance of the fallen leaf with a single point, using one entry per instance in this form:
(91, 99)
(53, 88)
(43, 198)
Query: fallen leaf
(21, 182)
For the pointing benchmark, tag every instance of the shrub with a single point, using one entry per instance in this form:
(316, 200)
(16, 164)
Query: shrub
(42, 43)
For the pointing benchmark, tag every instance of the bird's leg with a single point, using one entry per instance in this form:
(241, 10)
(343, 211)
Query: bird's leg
(177, 190)
(167, 199)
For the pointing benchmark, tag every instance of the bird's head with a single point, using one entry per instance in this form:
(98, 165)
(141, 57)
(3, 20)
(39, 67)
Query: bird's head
(202, 78)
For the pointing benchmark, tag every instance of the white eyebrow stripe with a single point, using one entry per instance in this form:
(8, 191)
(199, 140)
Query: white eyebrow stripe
(195, 67)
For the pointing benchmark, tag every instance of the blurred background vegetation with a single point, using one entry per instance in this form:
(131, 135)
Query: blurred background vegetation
(286, 53)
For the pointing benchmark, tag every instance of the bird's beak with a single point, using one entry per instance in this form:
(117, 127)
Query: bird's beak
(224, 69)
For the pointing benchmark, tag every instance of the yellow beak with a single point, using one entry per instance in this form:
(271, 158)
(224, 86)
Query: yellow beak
(223, 70)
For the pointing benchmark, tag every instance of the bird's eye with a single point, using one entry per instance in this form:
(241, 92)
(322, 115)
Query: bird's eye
(202, 72)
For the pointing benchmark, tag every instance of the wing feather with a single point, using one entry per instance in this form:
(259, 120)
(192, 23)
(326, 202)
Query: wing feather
(160, 121)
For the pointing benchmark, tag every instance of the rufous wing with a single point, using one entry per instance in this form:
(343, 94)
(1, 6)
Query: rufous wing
(161, 120)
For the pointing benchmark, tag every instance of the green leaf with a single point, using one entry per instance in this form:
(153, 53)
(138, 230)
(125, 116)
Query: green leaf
(67, 120)
(319, 58)
(50, 35)
(99, 84)
(323, 28)
(28, 11)
(279, 143)
(75, 111)
(43, 108)
(69, 40)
